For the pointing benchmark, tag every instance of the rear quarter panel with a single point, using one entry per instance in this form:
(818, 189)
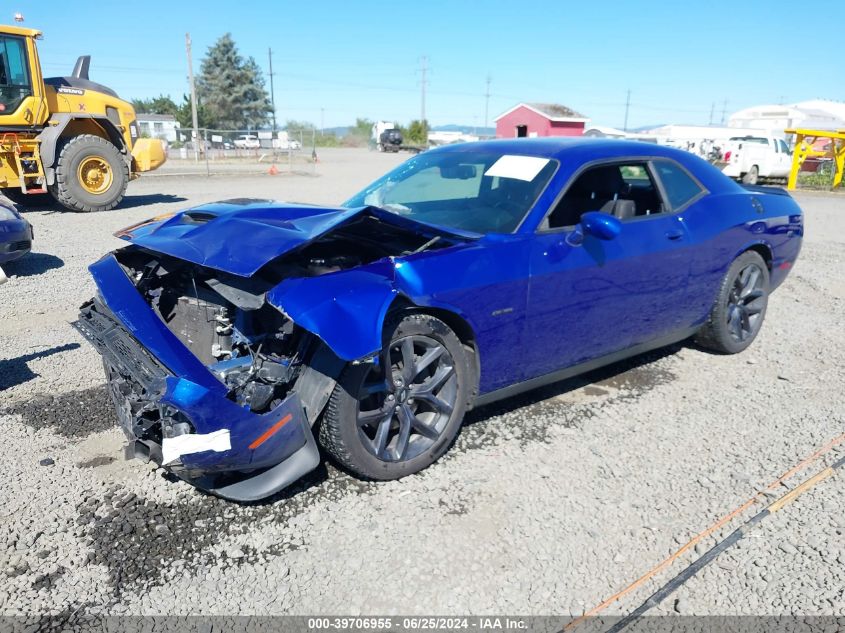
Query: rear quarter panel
(722, 226)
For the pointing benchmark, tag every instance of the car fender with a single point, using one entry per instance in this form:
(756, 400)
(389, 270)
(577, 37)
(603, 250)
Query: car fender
(346, 309)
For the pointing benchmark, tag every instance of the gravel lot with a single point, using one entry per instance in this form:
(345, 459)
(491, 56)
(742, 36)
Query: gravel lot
(548, 504)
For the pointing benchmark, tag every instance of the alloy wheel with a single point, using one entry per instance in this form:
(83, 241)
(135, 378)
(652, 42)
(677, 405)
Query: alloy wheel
(746, 302)
(405, 402)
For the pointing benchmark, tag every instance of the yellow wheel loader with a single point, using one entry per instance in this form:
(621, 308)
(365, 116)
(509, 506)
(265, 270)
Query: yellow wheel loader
(65, 137)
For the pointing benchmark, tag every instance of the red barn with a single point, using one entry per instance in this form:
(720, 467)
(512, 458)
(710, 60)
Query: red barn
(540, 119)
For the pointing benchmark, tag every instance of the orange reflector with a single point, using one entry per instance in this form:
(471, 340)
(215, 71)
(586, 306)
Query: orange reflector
(273, 429)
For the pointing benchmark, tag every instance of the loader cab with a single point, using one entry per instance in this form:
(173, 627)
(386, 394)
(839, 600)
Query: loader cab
(21, 90)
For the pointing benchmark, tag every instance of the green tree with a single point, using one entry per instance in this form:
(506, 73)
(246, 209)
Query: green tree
(417, 133)
(161, 104)
(232, 88)
(363, 127)
(183, 114)
(295, 126)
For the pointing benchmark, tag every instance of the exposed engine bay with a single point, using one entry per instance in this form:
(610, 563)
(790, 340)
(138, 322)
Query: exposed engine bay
(225, 321)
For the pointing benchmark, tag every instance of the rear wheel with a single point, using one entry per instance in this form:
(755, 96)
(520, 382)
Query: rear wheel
(737, 315)
(91, 174)
(752, 176)
(396, 418)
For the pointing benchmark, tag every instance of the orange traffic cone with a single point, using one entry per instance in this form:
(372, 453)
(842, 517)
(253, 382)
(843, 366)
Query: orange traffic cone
(273, 170)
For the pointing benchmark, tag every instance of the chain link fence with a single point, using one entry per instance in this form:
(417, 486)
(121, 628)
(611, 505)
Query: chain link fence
(215, 145)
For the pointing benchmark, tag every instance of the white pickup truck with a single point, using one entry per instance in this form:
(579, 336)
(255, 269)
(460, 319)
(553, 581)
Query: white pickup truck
(247, 141)
(753, 158)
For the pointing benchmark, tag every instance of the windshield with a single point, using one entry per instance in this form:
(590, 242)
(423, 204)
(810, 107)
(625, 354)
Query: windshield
(483, 192)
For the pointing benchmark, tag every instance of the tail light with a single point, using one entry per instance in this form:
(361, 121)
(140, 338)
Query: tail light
(727, 156)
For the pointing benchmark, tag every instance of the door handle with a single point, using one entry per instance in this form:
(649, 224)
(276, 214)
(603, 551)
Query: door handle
(674, 234)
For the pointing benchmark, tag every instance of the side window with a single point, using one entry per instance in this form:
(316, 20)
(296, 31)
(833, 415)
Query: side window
(14, 75)
(680, 187)
(783, 146)
(625, 190)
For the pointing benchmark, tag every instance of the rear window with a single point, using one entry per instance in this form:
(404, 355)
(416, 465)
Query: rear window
(680, 187)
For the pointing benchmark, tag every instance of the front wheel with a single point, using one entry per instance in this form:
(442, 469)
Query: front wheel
(739, 310)
(395, 418)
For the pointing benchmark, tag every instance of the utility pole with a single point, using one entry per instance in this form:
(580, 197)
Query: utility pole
(423, 71)
(322, 119)
(272, 89)
(724, 110)
(195, 137)
(627, 106)
(712, 108)
(486, 104)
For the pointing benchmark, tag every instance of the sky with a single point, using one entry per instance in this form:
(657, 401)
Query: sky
(336, 60)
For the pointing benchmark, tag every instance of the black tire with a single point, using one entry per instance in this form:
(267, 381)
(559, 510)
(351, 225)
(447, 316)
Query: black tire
(431, 429)
(70, 192)
(752, 176)
(748, 276)
(28, 200)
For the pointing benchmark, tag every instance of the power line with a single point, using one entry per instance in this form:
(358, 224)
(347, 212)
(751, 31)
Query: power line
(627, 106)
(423, 81)
(195, 133)
(486, 104)
(272, 89)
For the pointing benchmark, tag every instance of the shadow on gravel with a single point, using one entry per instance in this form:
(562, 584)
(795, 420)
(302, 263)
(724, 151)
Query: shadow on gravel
(130, 202)
(627, 379)
(75, 414)
(138, 540)
(16, 371)
(46, 203)
(32, 264)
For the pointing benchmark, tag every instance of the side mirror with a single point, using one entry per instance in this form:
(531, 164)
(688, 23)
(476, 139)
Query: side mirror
(601, 225)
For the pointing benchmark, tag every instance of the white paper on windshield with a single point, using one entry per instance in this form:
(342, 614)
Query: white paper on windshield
(517, 167)
(173, 448)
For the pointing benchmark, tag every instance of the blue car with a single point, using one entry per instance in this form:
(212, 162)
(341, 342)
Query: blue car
(15, 235)
(239, 335)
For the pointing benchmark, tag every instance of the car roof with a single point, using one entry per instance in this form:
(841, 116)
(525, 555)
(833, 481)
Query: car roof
(573, 152)
(564, 147)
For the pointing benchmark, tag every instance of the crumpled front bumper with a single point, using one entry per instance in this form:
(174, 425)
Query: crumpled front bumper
(154, 379)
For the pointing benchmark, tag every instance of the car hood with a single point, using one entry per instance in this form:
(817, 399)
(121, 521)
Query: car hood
(240, 236)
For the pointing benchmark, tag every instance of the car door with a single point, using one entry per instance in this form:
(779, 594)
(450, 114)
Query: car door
(784, 159)
(598, 297)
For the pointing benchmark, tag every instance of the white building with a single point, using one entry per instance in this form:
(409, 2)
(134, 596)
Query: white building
(774, 119)
(162, 126)
(692, 137)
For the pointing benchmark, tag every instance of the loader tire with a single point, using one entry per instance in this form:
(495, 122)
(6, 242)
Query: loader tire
(91, 174)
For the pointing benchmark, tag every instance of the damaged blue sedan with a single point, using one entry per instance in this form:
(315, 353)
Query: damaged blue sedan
(240, 335)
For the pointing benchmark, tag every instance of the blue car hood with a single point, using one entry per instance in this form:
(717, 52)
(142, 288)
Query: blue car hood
(241, 236)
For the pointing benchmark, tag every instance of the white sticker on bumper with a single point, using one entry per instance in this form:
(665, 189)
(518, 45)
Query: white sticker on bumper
(172, 448)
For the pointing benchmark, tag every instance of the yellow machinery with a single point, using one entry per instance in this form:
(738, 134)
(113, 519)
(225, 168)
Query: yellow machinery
(804, 140)
(67, 137)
